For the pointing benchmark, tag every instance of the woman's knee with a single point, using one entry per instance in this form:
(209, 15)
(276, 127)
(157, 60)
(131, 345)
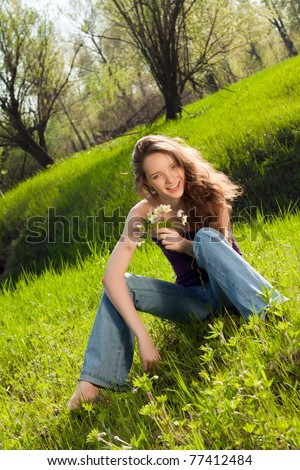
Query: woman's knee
(208, 232)
(128, 279)
(208, 235)
(206, 238)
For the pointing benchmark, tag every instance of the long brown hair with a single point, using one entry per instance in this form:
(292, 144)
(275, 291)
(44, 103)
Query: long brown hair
(207, 190)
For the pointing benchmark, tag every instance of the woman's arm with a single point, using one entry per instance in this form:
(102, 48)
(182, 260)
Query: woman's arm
(173, 241)
(117, 291)
(225, 227)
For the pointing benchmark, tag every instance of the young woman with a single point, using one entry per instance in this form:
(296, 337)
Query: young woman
(210, 271)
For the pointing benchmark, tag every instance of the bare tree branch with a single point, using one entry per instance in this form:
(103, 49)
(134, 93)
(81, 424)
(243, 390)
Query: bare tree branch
(161, 31)
(32, 77)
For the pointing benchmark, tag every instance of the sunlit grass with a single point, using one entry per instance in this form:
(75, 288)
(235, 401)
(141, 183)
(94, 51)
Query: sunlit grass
(224, 384)
(250, 131)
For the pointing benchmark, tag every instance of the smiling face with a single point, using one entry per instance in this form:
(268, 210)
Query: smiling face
(165, 176)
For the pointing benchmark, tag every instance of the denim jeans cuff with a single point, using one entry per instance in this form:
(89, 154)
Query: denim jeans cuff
(103, 383)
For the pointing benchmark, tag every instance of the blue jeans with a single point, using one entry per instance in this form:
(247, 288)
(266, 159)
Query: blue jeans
(232, 283)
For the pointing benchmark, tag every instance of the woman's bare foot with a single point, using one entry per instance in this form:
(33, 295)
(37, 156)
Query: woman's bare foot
(85, 392)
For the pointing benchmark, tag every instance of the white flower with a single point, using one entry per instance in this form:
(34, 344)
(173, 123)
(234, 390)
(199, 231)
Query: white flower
(155, 218)
(184, 219)
(166, 208)
(151, 217)
(157, 210)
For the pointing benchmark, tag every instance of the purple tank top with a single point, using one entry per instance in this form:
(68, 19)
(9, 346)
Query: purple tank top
(187, 272)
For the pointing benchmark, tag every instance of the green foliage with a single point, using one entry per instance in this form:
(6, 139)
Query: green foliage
(221, 384)
(250, 131)
(33, 76)
(66, 203)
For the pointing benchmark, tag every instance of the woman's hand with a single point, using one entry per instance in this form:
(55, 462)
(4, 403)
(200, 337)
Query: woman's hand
(173, 241)
(148, 353)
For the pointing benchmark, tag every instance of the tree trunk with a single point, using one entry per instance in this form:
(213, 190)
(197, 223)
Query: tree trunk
(26, 142)
(173, 105)
(23, 138)
(29, 145)
(212, 82)
(42, 138)
(74, 147)
(81, 141)
(278, 23)
(89, 140)
(254, 55)
(231, 77)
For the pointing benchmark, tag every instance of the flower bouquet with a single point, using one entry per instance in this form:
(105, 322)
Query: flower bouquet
(156, 219)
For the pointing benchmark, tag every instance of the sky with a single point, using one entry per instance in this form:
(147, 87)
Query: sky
(55, 9)
(43, 4)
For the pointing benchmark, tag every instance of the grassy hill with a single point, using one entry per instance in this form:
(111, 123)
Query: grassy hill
(221, 384)
(250, 131)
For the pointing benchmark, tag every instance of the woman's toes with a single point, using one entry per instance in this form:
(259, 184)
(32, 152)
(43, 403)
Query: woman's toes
(85, 392)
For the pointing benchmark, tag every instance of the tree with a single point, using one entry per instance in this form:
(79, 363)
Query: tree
(294, 14)
(32, 78)
(254, 29)
(167, 34)
(116, 88)
(278, 12)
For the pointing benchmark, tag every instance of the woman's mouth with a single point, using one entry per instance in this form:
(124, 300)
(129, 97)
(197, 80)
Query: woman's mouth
(173, 187)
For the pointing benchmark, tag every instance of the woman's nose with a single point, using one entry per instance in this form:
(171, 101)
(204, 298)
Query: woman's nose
(170, 178)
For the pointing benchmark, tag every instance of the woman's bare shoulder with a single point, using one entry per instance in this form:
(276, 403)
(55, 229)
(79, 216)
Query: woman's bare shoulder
(142, 208)
(137, 214)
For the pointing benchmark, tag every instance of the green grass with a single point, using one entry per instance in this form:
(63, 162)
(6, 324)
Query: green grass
(77, 188)
(250, 131)
(225, 384)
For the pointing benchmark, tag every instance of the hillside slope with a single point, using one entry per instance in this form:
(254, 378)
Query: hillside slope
(222, 383)
(250, 131)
